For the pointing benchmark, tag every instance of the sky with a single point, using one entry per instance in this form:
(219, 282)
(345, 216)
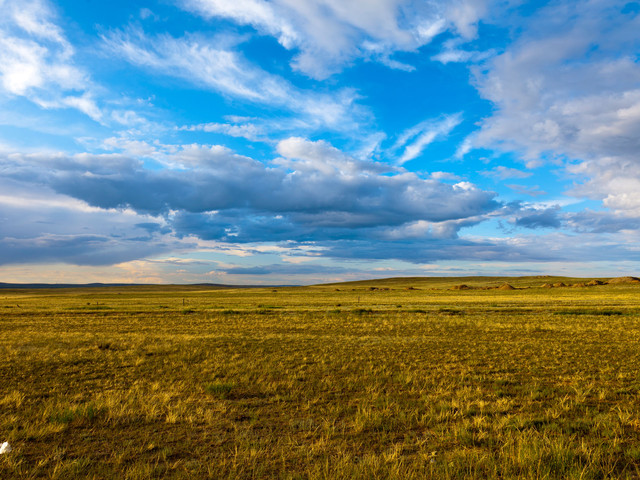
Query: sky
(307, 141)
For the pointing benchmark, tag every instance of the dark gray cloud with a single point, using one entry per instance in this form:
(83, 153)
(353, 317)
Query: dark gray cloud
(601, 222)
(547, 218)
(153, 227)
(36, 225)
(313, 197)
(78, 249)
(436, 250)
(315, 192)
(553, 247)
(115, 208)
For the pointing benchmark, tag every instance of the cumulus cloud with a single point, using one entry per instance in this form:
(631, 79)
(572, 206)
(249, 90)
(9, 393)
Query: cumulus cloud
(329, 34)
(567, 92)
(613, 179)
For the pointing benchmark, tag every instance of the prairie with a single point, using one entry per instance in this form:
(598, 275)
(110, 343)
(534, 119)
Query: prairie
(398, 378)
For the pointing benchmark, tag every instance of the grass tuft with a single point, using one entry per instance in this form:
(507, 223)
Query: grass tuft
(218, 389)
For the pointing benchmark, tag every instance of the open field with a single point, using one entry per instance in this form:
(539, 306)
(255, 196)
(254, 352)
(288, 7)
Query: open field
(399, 378)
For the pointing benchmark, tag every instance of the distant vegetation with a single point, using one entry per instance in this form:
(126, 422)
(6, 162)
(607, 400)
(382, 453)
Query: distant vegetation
(475, 377)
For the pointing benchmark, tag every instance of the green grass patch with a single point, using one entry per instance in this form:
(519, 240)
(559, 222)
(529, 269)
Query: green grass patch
(219, 389)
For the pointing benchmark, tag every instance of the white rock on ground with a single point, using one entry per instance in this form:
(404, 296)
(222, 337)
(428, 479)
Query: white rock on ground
(5, 448)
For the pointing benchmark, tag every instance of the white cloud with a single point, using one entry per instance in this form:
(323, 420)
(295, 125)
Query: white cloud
(36, 61)
(614, 180)
(444, 176)
(146, 13)
(248, 130)
(452, 53)
(86, 104)
(220, 68)
(414, 140)
(568, 91)
(502, 173)
(465, 16)
(258, 13)
(136, 148)
(329, 34)
(301, 155)
(533, 191)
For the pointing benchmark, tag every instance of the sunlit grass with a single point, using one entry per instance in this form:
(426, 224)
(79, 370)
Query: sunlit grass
(406, 380)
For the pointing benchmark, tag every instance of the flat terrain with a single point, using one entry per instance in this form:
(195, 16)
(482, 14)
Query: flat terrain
(399, 378)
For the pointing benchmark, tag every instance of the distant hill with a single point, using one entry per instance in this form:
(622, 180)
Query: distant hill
(456, 283)
(107, 285)
(477, 282)
(64, 285)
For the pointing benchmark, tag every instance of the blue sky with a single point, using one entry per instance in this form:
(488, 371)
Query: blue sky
(303, 141)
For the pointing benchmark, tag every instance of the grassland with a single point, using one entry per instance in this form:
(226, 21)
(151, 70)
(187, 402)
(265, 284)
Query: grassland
(401, 378)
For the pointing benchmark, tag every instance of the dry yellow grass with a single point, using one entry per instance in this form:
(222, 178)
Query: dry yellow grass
(403, 378)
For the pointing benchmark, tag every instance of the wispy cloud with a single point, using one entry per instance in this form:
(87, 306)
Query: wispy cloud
(414, 140)
(453, 53)
(533, 191)
(502, 173)
(217, 66)
(248, 130)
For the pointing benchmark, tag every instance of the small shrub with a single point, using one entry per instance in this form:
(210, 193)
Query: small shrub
(362, 311)
(219, 389)
(588, 312)
(451, 311)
